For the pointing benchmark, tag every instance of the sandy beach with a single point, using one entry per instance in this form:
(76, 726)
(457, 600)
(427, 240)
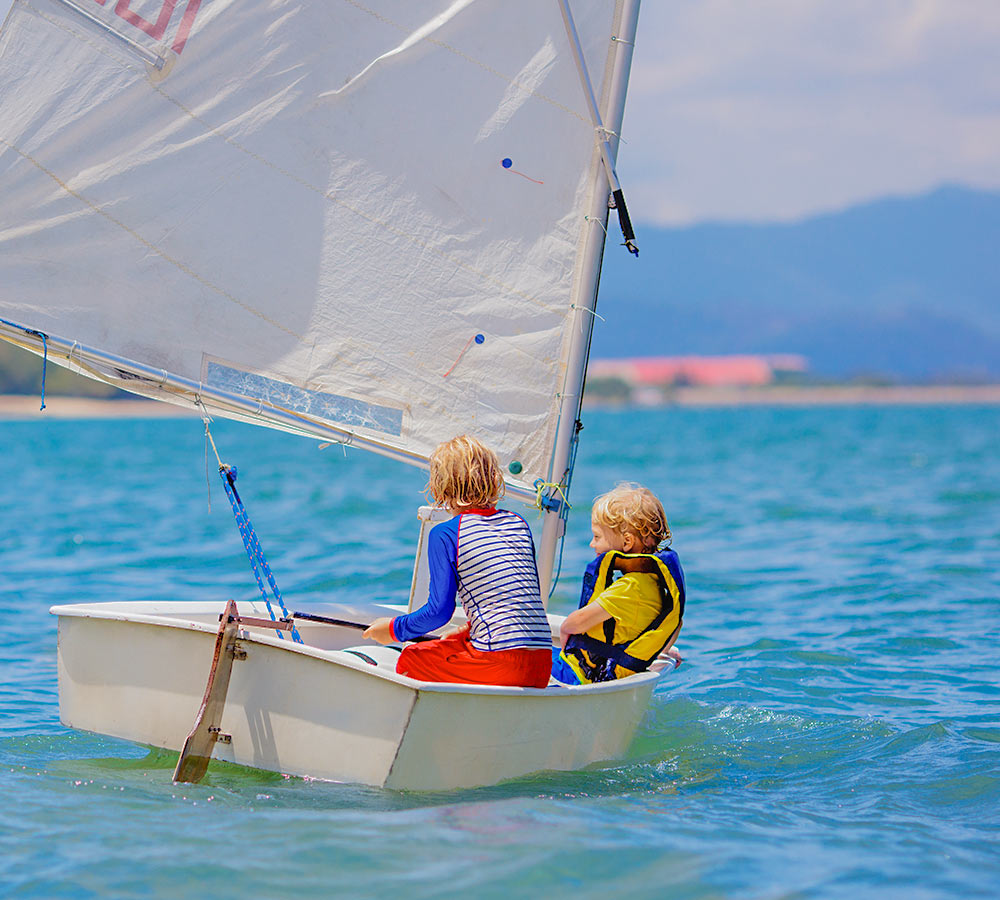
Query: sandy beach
(26, 406)
(838, 395)
(832, 395)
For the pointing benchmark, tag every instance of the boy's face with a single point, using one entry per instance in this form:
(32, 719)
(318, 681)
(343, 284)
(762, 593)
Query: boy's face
(605, 539)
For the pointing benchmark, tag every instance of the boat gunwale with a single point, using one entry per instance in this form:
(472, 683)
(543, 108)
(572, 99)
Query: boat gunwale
(93, 611)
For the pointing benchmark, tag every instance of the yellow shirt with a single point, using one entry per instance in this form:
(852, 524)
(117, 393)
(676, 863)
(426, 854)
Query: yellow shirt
(633, 601)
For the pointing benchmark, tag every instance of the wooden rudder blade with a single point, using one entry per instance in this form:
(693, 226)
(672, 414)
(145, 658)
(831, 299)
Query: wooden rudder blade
(197, 750)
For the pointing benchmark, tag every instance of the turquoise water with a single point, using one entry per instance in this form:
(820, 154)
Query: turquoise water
(834, 731)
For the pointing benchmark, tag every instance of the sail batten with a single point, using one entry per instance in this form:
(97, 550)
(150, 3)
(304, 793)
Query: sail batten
(154, 59)
(367, 214)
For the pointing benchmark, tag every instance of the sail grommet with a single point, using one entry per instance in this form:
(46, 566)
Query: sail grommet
(515, 468)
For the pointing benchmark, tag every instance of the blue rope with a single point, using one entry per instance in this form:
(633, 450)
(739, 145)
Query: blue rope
(45, 351)
(45, 365)
(254, 552)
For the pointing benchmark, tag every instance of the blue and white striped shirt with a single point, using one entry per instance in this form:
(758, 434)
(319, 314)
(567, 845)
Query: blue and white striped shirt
(488, 562)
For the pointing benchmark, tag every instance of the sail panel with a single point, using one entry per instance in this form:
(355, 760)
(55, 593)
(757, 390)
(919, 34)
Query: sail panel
(369, 213)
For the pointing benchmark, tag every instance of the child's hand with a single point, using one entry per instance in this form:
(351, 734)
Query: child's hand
(668, 658)
(450, 630)
(380, 630)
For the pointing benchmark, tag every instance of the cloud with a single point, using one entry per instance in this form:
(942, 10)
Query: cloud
(781, 108)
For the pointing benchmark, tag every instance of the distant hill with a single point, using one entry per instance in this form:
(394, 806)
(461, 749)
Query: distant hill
(908, 288)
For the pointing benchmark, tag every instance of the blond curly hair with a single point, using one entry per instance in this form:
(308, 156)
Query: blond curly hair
(465, 474)
(633, 509)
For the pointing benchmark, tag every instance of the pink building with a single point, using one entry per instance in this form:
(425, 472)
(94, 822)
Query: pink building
(716, 371)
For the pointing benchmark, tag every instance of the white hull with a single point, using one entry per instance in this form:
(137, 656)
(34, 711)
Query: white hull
(138, 671)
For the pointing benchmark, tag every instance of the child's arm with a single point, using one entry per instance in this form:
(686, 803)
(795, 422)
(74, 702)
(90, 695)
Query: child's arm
(581, 620)
(440, 605)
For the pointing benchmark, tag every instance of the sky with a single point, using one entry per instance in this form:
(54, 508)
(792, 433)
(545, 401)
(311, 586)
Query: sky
(775, 110)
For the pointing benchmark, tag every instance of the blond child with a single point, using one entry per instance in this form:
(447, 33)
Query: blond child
(485, 557)
(624, 624)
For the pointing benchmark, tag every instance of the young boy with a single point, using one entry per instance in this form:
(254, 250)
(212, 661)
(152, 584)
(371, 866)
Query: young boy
(623, 625)
(486, 557)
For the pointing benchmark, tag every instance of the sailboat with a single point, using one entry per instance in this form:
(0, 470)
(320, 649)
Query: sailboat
(374, 223)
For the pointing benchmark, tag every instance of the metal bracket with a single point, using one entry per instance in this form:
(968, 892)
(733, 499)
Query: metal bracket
(220, 736)
(284, 624)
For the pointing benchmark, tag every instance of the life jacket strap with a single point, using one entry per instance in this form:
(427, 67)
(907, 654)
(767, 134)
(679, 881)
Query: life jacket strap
(599, 650)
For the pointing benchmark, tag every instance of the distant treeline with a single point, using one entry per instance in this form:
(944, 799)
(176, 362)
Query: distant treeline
(21, 373)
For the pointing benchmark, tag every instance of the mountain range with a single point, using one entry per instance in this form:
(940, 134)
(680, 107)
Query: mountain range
(906, 288)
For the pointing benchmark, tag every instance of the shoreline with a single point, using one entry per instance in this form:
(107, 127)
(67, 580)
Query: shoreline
(833, 395)
(25, 407)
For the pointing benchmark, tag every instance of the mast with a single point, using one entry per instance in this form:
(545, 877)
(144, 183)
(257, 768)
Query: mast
(584, 299)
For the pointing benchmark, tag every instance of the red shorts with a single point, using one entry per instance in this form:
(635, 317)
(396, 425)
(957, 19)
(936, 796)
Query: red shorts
(454, 659)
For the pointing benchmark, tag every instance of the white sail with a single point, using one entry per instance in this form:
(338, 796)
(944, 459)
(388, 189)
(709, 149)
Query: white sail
(371, 214)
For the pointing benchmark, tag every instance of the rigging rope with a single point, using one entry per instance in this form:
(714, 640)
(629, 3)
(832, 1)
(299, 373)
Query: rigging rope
(45, 350)
(548, 501)
(258, 562)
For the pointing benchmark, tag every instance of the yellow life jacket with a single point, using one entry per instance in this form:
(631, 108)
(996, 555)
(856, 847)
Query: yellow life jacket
(604, 660)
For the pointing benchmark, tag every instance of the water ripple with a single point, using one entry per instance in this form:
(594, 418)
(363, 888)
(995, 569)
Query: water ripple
(833, 731)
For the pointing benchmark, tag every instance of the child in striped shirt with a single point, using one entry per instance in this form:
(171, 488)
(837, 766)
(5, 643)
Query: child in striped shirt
(484, 557)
